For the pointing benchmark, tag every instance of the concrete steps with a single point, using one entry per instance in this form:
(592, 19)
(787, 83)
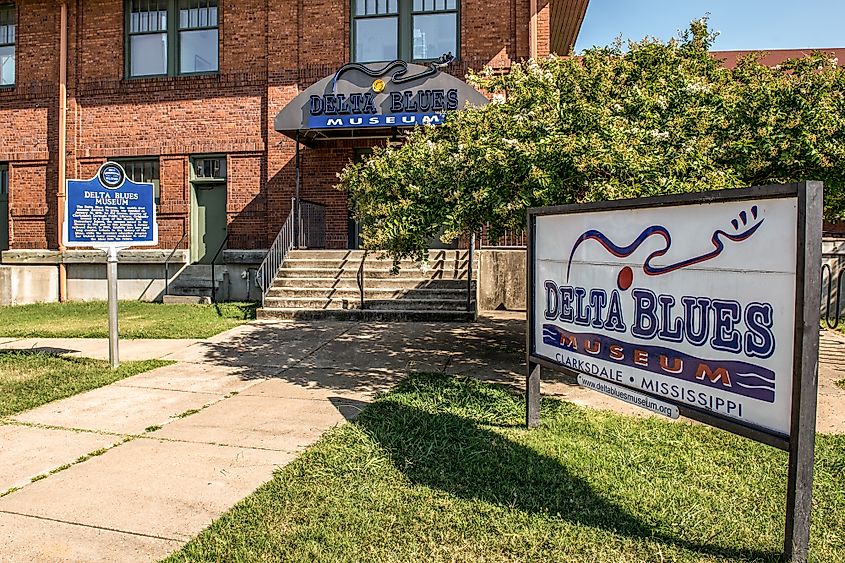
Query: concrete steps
(193, 284)
(315, 284)
(352, 283)
(369, 293)
(365, 315)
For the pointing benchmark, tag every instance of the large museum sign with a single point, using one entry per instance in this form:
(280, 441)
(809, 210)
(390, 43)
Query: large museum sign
(704, 305)
(372, 96)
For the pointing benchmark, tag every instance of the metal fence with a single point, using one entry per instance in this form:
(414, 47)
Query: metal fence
(312, 225)
(511, 239)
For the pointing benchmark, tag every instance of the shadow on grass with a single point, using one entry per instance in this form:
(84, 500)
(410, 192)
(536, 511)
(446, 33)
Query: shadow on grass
(40, 351)
(240, 311)
(461, 456)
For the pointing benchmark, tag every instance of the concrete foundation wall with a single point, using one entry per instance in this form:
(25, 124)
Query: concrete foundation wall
(136, 282)
(30, 276)
(501, 280)
(22, 285)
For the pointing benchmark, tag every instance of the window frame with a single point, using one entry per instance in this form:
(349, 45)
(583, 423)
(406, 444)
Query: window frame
(12, 6)
(173, 33)
(405, 31)
(123, 161)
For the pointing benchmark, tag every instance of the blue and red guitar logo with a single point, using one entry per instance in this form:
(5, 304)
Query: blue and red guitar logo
(742, 232)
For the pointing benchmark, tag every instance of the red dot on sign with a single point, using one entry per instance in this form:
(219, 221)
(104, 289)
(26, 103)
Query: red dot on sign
(626, 278)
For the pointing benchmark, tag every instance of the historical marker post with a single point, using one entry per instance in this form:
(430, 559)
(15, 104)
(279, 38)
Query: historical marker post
(704, 305)
(110, 212)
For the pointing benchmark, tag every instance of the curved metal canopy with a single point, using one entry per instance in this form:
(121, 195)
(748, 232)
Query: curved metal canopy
(375, 100)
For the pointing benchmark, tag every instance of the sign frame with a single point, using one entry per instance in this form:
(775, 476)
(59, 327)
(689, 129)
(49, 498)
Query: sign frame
(800, 443)
(107, 184)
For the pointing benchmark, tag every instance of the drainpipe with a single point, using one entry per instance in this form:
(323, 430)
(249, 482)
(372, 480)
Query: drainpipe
(62, 160)
(532, 30)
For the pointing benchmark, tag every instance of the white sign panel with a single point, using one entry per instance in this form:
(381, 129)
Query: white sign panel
(624, 394)
(691, 303)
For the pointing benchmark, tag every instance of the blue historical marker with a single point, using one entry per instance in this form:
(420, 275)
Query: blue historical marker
(110, 211)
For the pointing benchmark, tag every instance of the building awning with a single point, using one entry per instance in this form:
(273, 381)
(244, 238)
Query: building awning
(374, 100)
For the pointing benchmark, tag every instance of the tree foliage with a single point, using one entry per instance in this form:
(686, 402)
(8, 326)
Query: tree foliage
(657, 118)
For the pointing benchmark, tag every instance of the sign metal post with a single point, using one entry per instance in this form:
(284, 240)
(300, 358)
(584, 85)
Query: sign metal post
(799, 491)
(114, 354)
(704, 305)
(110, 212)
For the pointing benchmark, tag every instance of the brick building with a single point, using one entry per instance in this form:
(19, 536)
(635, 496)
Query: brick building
(184, 94)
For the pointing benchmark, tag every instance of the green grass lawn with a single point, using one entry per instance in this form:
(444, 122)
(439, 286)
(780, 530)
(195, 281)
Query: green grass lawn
(136, 320)
(442, 470)
(28, 379)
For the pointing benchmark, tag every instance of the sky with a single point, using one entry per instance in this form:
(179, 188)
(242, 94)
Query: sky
(743, 24)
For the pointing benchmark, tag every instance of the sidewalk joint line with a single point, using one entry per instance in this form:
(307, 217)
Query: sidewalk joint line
(92, 526)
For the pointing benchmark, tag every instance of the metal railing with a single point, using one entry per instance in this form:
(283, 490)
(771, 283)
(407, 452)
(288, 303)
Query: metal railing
(312, 225)
(360, 278)
(834, 300)
(213, 263)
(167, 263)
(510, 239)
(276, 255)
(470, 257)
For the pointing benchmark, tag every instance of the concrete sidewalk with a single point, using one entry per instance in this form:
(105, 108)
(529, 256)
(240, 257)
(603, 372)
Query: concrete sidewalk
(177, 447)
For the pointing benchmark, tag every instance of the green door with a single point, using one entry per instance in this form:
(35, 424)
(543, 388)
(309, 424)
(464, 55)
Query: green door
(208, 221)
(4, 207)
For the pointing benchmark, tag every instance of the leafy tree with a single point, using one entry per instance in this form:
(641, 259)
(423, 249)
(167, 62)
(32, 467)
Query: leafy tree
(659, 118)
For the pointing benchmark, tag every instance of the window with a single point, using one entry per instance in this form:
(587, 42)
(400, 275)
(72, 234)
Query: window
(8, 26)
(4, 179)
(169, 37)
(209, 168)
(384, 30)
(143, 170)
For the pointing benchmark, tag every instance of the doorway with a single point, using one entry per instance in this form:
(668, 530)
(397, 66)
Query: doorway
(209, 229)
(354, 237)
(4, 207)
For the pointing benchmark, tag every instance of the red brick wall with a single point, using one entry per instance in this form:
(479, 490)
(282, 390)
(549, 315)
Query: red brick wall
(269, 51)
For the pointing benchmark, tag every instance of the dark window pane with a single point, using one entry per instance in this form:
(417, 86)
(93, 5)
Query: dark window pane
(148, 54)
(143, 171)
(7, 66)
(376, 39)
(4, 179)
(198, 51)
(194, 14)
(210, 168)
(148, 16)
(435, 35)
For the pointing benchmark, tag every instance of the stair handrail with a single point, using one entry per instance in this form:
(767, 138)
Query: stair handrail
(470, 258)
(832, 320)
(360, 277)
(213, 263)
(167, 263)
(277, 254)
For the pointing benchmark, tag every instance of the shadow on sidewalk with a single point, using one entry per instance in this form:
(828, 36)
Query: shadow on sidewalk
(349, 356)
